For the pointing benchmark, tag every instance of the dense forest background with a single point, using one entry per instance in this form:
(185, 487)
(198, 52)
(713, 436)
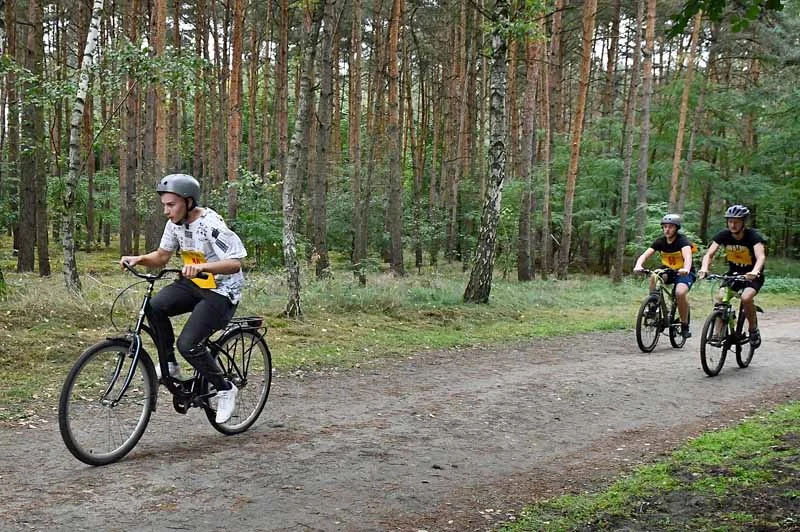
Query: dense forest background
(373, 128)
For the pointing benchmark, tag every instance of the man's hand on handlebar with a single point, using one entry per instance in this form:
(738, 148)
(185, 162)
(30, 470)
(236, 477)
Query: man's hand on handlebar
(194, 270)
(130, 260)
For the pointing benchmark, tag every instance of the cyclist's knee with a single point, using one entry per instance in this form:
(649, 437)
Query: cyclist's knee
(720, 295)
(190, 348)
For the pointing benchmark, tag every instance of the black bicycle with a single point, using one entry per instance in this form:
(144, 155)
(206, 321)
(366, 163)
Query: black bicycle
(111, 391)
(659, 313)
(724, 330)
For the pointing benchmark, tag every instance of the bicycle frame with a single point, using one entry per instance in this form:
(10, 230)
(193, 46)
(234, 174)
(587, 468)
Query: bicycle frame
(135, 337)
(726, 305)
(666, 292)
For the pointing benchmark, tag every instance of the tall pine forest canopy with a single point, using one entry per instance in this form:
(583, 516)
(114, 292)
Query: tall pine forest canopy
(370, 131)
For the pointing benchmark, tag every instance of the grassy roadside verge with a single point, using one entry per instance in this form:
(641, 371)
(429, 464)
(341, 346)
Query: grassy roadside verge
(743, 478)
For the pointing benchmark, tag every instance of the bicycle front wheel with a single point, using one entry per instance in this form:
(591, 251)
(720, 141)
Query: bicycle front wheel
(745, 351)
(246, 361)
(101, 422)
(648, 324)
(675, 337)
(714, 343)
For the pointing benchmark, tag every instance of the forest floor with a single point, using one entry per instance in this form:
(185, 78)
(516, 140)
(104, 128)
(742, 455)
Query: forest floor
(449, 440)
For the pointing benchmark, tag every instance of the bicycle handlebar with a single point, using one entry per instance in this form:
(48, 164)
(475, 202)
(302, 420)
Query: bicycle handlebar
(715, 277)
(154, 277)
(657, 271)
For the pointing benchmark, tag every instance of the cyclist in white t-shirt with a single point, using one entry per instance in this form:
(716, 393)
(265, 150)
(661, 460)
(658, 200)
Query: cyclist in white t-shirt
(206, 246)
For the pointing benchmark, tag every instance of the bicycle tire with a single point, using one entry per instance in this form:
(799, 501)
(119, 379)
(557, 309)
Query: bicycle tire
(246, 361)
(96, 430)
(676, 339)
(711, 359)
(648, 324)
(745, 352)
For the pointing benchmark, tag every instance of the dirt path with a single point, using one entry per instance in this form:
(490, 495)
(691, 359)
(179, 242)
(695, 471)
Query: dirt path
(440, 441)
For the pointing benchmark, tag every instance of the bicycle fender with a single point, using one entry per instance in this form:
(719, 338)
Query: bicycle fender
(759, 309)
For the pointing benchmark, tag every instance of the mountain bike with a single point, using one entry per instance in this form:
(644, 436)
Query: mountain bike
(724, 330)
(659, 313)
(112, 389)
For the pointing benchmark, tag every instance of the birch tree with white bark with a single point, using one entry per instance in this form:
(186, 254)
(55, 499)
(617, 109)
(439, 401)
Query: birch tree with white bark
(71, 276)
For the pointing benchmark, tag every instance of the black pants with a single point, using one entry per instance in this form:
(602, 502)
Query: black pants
(210, 313)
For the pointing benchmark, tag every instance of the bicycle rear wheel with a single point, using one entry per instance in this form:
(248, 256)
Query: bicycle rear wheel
(648, 324)
(744, 352)
(98, 425)
(714, 345)
(246, 361)
(675, 337)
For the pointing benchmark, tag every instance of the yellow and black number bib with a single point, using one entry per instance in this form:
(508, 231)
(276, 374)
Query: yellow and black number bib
(673, 260)
(197, 257)
(738, 255)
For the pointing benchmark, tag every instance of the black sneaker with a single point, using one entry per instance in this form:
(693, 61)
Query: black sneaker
(755, 339)
(685, 332)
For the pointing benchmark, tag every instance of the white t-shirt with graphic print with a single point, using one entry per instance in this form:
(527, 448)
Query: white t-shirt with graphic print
(208, 239)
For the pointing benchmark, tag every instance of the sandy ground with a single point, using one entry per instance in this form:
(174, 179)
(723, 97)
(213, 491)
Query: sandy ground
(455, 440)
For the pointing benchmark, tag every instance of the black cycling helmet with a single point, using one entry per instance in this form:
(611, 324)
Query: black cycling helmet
(674, 219)
(183, 185)
(737, 211)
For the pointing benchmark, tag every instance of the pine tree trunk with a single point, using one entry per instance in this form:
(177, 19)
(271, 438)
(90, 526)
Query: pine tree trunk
(129, 152)
(252, 96)
(480, 280)
(34, 224)
(12, 110)
(417, 141)
(395, 214)
(322, 167)
(555, 66)
(282, 87)
(235, 99)
(676, 159)
(525, 260)
(354, 142)
(698, 116)
(546, 107)
(644, 142)
(200, 50)
(266, 118)
(36, 45)
(630, 112)
(154, 152)
(172, 142)
(589, 12)
(608, 92)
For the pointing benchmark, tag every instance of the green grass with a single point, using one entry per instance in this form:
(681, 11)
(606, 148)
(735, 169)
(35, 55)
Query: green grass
(742, 478)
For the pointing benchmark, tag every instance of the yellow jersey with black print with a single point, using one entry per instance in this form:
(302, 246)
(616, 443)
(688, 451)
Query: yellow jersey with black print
(740, 253)
(671, 253)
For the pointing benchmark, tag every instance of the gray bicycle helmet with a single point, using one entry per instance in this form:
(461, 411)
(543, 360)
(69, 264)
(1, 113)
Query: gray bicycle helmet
(183, 185)
(737, 211)
(674, 219)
